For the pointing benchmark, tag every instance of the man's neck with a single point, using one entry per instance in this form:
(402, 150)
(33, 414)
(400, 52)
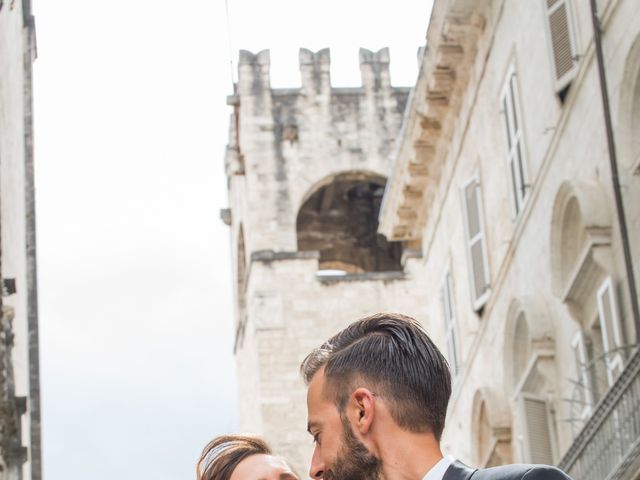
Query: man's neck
(409, 456)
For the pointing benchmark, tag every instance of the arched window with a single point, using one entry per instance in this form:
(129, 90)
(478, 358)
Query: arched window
(573, 240)
(635, 128)
(580, 241)
(530, 375)
(628, 133)
(340, 220)
(583, 277)
(491, 429)
(485, 437)
(521, 348)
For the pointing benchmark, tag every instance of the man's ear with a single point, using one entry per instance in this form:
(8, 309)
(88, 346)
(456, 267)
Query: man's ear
(363, 408)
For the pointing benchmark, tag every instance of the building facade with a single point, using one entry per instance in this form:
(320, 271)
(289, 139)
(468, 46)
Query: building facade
(20, 456)
(503, 176)
(498, 228)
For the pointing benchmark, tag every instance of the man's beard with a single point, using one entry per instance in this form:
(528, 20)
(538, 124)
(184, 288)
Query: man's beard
(354, 461)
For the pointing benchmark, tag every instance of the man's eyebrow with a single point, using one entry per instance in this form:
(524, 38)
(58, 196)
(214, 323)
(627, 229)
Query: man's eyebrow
(310, 425)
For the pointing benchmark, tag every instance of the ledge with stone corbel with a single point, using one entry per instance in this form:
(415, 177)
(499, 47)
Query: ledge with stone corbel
(430, 117)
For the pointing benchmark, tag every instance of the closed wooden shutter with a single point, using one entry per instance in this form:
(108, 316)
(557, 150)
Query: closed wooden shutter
(476, 249)
(515, 143)
(562, 41)
(450, 324)
(610, 328)
(584, 383)
(536, 430)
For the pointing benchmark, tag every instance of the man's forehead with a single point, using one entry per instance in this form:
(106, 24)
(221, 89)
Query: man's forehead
(318, 379)
(315, 389)
(317, 402)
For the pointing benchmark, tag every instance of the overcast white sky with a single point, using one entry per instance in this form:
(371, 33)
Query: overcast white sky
(134, 273)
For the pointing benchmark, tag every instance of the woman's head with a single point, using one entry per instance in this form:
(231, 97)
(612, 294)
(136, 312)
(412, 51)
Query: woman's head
(241, 457)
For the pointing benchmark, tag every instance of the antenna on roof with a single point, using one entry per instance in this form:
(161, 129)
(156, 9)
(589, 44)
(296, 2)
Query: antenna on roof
(229, 43)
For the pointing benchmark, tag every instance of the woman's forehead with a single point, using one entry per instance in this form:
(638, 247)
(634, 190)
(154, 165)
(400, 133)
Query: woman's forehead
(263, 467)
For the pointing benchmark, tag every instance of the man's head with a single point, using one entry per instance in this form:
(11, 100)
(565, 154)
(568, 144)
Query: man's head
(384, 365)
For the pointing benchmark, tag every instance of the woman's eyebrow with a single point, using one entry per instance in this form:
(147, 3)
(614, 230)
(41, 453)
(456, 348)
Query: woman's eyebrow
(285, 476)
(288, 476)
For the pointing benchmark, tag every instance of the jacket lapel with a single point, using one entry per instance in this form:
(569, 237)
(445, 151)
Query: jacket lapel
(458, 471)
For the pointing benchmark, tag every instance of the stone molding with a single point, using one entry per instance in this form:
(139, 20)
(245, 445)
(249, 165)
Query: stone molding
(272, 255)
(268, 256)
(430, 117)
(362, 277)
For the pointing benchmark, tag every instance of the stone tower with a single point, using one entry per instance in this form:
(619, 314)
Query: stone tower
(20, 434)
(306, 173)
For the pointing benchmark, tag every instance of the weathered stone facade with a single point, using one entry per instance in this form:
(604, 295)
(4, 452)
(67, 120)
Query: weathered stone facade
(503, 176)
(19, 368)
(307, 168)
(499, 207)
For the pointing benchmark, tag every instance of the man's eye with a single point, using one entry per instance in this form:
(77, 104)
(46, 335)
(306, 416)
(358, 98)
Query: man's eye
(316, 439)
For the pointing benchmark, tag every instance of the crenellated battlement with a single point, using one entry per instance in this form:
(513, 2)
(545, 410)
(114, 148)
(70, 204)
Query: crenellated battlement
(315, 72)
(254, 72)
(285, 141)
(353, 125)
(374, 69)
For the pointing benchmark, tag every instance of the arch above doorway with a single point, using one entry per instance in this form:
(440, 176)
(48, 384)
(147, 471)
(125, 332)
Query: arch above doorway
(339, 219)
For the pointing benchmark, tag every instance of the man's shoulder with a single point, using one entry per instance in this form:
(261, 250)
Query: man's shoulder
(521, 472)
(459, 471)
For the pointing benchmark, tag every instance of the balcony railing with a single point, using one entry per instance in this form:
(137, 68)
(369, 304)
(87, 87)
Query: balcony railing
(609, 442)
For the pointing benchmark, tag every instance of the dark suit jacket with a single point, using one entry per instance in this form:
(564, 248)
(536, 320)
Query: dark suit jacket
(459, 471)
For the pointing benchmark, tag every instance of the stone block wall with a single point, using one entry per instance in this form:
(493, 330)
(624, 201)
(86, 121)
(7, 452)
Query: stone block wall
(292, 311)
(19, 389)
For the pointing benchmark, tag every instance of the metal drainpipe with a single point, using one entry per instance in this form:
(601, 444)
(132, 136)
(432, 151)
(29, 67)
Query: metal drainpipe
(622, 221)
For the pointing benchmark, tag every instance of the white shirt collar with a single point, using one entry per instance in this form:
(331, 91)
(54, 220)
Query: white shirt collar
(438, 470)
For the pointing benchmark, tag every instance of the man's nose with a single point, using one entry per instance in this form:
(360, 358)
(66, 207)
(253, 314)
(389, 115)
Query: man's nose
(317, 465)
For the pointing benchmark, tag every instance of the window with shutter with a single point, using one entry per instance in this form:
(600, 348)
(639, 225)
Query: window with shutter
(476, 249)
(537, 431)
(450, 324)
(515, 144)
(610, 328)
(584, 373)
(562, 42)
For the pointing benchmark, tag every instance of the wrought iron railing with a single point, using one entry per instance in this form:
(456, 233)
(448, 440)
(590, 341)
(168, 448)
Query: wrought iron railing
(610, 439)
(594, 380)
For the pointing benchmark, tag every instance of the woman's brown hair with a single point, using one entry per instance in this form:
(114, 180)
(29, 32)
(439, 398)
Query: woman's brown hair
(222, 455)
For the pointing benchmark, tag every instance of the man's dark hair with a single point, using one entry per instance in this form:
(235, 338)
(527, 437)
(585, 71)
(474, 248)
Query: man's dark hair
(393, 356)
